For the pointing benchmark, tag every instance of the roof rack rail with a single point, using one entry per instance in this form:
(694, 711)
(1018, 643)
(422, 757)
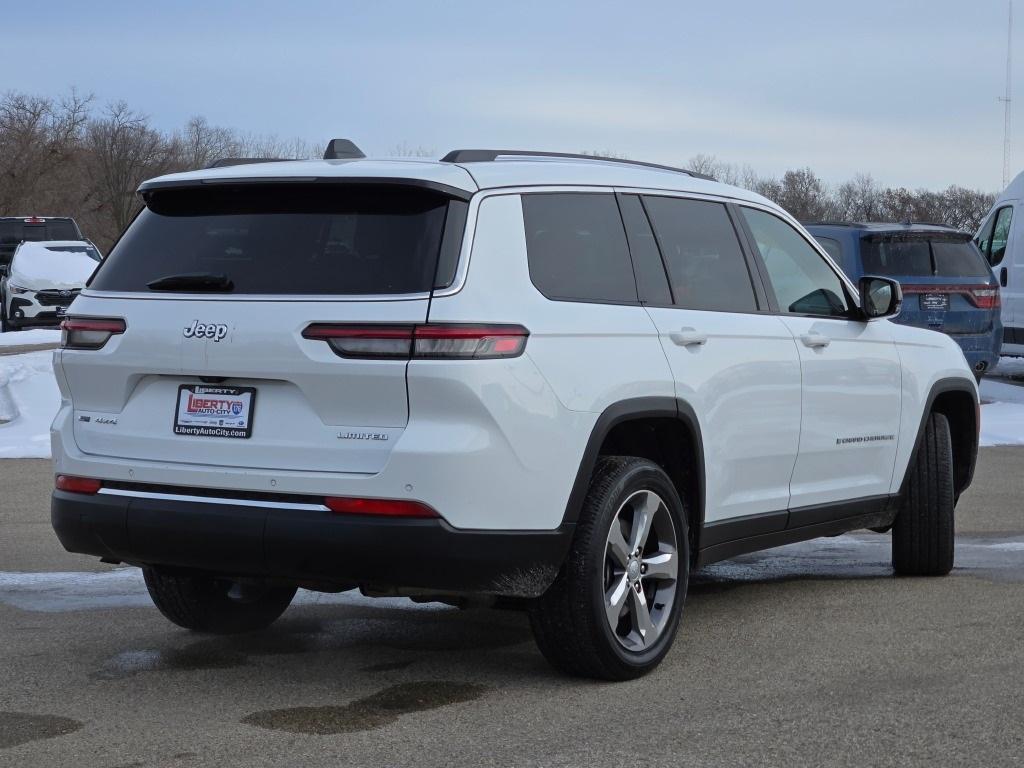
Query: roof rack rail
(828, 223)
(490, 155)
(226, 162)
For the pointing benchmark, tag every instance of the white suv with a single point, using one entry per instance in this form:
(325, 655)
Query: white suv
(563, 380)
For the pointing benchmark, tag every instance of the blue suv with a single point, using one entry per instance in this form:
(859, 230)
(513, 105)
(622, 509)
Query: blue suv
(947, 284)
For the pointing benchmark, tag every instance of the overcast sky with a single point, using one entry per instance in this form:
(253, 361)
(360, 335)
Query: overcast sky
(906, 91)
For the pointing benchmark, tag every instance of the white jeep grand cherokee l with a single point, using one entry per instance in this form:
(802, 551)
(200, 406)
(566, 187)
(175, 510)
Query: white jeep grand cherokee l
(568, 381)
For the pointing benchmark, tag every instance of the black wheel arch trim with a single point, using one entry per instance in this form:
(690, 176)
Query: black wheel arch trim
(965, 473)
(635, 409)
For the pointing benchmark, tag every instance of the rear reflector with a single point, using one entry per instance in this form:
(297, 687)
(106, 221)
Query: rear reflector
(77, 484)
(426, 342)
(378, 507)
(89, 332)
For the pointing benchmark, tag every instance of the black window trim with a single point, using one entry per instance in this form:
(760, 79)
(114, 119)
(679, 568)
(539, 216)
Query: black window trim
(760, 296)
(625, 237)
(854, 313)
(657, 246)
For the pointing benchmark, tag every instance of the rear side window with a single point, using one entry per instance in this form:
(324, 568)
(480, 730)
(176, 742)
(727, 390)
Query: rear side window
(705, 263)
(917, 255)
(577, 249)
(287, 239)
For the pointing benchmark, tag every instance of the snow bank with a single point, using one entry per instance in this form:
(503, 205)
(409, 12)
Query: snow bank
(31, 336)
(28, 402)
(1010, 366)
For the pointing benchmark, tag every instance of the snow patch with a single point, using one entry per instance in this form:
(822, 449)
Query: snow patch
(1009, 366)
(31, 336)
(29, 400)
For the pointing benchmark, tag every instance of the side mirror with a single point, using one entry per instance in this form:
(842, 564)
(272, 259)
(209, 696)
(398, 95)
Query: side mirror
(880, 297)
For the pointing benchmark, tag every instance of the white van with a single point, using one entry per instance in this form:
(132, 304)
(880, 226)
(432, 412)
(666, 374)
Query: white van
(1001, 244)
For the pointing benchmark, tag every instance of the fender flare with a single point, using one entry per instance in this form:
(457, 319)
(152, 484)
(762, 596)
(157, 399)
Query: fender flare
(631, 410)
(941, 387)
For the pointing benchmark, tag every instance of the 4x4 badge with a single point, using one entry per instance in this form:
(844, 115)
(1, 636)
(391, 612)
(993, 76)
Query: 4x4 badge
(197, 330)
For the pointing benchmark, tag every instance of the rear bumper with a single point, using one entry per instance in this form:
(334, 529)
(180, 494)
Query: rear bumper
(980, 348)
(306, 546)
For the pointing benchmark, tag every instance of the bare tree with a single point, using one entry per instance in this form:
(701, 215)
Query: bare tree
(405, 149)
(38, 136)
(201, 144)
(123, 152)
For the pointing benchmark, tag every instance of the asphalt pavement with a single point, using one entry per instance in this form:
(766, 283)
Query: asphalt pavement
(812, 654)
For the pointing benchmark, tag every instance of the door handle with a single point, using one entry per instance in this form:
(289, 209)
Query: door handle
(815, 340)
(688, 337)
(1002, 277)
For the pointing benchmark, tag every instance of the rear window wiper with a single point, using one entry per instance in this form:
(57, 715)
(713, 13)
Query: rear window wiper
(192, 281)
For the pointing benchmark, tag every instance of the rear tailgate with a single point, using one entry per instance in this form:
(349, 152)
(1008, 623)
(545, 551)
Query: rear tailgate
(947, 285)
(215, 288)
(950, 307)
(311, 409)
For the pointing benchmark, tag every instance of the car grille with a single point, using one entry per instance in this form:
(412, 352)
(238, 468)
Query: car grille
(56, 298)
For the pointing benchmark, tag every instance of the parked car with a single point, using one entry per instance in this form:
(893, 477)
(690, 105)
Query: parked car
(554, 381)
(15, 230)
(947, 285)
(1003, 248)
(44, 278)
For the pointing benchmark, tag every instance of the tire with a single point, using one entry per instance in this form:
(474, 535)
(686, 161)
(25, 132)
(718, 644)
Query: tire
(217, 606)
(922, 535)
(572, 621)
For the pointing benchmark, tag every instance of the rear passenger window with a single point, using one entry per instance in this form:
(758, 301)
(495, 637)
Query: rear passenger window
(705, 263)
(651, 282)
(577, 248)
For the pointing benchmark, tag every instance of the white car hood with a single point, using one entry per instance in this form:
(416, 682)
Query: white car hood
(43, 270)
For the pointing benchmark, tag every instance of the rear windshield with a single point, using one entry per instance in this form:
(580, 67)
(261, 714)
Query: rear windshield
(19, 231)
(289, 239)
(920, 255)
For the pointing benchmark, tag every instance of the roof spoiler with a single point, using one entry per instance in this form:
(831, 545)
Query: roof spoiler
(342, 149)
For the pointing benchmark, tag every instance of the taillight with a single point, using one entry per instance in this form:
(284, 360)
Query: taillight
(985, 298)
(379, 507)
(426, 342)
(368, 341)
(89, 332)
(74, 484)
(476, 342)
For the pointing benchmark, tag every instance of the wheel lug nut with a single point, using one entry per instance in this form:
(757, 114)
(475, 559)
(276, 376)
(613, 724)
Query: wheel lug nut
(643, 568)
